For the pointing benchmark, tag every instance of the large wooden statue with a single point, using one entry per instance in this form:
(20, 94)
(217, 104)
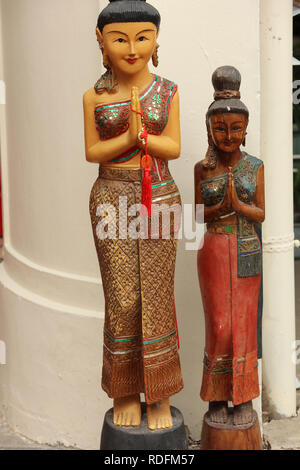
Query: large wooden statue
(230, 184)
(127, 110)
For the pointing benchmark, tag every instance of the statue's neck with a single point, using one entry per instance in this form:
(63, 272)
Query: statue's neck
(228, 159)
(140, 79)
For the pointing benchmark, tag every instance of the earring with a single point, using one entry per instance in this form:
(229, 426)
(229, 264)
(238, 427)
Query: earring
(210, 160)
(244, 141)
(211, 157)
(104, 57)
(105, 60)
(155, 60)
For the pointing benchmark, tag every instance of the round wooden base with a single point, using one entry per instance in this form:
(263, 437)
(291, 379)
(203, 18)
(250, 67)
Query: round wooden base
(141, 438)
(230, 437)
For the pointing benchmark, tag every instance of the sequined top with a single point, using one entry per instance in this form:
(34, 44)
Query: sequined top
(112, 120)
(244, 175)
(213, 190)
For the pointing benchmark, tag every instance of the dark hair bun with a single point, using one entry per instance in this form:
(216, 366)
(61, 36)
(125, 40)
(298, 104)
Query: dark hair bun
(226, 81)
(111, 1)
(226, 78)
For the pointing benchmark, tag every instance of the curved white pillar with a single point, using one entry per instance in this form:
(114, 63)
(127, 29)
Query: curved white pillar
(51, 298)
(51, 302)
(278, 232)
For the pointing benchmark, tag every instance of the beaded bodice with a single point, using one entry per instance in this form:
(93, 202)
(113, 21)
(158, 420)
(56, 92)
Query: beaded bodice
(113, 119)
(213, 192)
(244, 174)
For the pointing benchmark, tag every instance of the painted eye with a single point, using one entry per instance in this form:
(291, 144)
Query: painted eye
(236, 128)
(142, 38)
(120, 40)
(221, 129)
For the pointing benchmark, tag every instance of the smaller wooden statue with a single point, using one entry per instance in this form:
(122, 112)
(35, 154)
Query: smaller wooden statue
(230, 184)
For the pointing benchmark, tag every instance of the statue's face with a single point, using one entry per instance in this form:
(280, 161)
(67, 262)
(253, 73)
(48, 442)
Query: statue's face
(129, 46)
(228, 130)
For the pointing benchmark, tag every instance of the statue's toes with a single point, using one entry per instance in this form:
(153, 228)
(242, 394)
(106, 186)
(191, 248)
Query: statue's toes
(117, 421)
(135, 420)
(126, 419)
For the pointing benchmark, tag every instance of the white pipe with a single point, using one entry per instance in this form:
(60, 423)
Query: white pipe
(279, 372)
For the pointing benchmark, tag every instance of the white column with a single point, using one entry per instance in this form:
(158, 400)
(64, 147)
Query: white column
(51, 300)
(276, 145)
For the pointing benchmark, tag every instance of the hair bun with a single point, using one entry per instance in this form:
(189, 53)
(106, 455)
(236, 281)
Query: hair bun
(111, 1)
(226, 78)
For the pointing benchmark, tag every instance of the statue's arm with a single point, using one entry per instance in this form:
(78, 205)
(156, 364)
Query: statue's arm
(167, 145)
(210, 213)
(255, 212)
(101, 151)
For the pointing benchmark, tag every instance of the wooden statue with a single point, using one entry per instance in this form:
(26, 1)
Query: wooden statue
(126, 111)
(230, 184)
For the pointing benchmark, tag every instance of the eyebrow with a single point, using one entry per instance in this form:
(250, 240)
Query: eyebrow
(224, 124)
(117, 32)
(120, 32)
(145, 31)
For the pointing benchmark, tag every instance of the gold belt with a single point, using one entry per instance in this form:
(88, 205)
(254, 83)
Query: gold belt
(121, 174)
(222, 228)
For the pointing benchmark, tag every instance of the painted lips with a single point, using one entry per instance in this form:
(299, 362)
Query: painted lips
(131, 61)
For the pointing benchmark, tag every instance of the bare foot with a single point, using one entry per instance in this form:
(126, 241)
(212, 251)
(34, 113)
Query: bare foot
(159, 415)
(127, 411)
(243, 414)
(218, 411)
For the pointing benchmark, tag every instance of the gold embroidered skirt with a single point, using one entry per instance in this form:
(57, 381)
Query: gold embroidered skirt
(140, 350)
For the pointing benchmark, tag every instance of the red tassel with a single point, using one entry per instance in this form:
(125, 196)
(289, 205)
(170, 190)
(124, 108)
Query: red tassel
(146, 193)
(146, 163)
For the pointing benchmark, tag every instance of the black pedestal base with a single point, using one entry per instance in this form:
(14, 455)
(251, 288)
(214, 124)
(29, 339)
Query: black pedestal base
(141, 438)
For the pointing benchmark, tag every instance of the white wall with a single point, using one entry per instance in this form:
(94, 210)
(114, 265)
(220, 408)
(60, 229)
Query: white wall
(51, 301)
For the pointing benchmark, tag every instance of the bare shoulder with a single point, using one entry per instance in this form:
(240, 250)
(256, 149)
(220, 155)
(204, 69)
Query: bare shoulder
(89, 96)
(198, 166)
(199, 170)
